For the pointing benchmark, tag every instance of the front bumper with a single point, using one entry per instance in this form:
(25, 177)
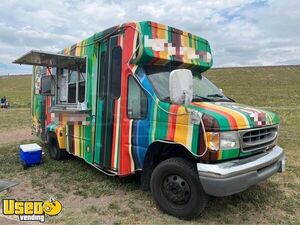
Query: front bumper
(234, 176)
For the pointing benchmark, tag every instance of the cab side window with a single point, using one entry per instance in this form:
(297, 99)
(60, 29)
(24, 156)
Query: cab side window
(136, 100)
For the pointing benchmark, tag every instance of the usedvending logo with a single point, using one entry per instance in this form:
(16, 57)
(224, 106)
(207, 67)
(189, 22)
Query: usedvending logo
(31, 210)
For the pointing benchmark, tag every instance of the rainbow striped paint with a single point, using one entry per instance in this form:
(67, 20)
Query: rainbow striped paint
(126, 141)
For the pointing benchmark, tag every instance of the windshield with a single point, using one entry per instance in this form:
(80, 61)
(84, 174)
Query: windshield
(203, 89)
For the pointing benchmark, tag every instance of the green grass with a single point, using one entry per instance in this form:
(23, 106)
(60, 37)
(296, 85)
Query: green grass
(14, 118)
(260, 86)
(120, 201)
(17, 90)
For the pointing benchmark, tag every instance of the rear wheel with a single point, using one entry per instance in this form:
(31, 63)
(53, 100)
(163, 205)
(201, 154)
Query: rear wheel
(54, 151)
(176, 188)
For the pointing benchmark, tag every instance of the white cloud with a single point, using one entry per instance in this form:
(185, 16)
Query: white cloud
(241, 32)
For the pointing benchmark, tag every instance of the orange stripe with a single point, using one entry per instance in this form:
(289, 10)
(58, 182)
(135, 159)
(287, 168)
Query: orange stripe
(182, 127)
(172, 122)
(229, 117)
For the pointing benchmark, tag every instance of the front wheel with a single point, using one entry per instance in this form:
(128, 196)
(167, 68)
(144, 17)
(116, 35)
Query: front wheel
(176, 188)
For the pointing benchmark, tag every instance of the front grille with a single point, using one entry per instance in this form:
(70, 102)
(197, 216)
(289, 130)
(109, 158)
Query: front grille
(258, 139)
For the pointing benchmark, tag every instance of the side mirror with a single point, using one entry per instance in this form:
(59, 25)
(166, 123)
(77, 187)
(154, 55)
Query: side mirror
(47, 86)
(181, 86)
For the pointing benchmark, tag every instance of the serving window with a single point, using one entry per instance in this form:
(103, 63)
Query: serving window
(68, 74)
(72, 84)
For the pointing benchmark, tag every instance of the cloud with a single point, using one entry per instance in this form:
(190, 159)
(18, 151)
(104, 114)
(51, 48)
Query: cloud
(241, 32)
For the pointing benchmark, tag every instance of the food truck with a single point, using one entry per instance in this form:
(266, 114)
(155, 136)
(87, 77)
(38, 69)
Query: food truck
(133, 98)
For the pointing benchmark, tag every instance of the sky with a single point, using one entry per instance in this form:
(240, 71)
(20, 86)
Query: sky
(241, 32)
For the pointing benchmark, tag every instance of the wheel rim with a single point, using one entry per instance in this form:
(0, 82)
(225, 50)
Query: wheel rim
(176, 189)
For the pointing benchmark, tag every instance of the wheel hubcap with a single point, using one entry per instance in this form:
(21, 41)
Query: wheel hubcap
(176, 189)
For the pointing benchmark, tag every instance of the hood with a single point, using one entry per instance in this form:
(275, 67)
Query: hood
(222, 116)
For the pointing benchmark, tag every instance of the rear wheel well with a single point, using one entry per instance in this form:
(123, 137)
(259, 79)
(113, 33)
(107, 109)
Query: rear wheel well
(158, 152)
(54, 151)
(51, 138)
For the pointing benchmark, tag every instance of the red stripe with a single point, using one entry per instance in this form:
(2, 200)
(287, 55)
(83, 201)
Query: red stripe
(229, 117)
(57, 131)
(113, 153)
(125, 160)
(172, 122)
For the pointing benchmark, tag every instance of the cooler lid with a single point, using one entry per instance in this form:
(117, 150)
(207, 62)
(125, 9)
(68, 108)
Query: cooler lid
(30, 148)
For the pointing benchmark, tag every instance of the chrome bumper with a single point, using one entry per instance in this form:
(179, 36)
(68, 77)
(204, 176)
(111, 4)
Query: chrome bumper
(234, 176)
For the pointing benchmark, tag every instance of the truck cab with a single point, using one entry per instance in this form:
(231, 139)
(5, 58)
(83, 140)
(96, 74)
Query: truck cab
(133, 98)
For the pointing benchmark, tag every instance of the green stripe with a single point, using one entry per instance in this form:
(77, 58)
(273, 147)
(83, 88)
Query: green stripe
(162, 121)
(195, 138)
(98, 146)
(230, 153)
(222, 120)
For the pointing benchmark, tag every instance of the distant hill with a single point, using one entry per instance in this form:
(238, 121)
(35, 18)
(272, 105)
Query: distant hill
(233, 81)
(14, 75)
(17, 89)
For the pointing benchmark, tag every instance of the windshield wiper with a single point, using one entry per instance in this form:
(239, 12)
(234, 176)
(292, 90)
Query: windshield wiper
(201, 98)
(166, 99)
(215, 96)
(223, 98)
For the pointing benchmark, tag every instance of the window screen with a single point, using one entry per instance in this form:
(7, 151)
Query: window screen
(73, 74)
(136, 100)
(76, 83)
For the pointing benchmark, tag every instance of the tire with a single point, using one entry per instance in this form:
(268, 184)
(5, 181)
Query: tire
(176, 188)
(54, 151)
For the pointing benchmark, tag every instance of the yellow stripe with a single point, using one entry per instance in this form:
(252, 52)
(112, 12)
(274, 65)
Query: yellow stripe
(181, 130)
(240, 118)
(161, 34)
(190, 135)
(219, 155)
(154, 119)
(117, 134)
(77, 140)
(77, 50)
(185, 40)
(68, 139)
(130, 144)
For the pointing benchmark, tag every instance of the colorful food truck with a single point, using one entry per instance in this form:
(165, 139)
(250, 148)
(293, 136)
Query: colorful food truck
(133, 98)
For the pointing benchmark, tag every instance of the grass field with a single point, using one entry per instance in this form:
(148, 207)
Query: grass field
(90, 197)
(17, 90)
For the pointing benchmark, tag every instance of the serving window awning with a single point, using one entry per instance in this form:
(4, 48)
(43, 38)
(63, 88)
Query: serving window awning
(48, 59)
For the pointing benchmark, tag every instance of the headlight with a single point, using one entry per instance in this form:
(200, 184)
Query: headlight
(229, 140)
(222, 140)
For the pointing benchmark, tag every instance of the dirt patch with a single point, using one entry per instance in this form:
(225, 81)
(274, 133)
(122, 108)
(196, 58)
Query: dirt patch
(108, 209)
(16, 135)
